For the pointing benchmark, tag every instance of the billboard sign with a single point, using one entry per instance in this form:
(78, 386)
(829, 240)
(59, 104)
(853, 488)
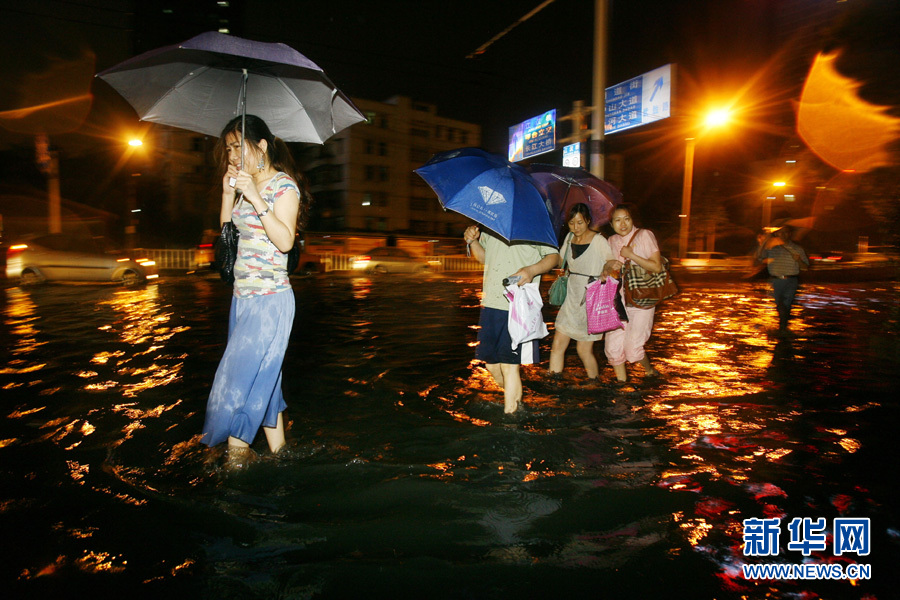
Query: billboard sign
(644, 99)
(532, 137)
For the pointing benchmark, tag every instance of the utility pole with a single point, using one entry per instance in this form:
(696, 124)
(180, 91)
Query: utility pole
(55, 218)
(578, 113)
(601, 12)
(579, 131)
(48, 162)
(686, 190)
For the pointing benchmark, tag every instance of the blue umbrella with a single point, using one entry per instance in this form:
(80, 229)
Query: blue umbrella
(492, 191)
(564, 187)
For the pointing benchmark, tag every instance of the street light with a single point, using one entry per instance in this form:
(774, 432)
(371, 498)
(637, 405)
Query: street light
(131, 228)
(715, 118)
(767, 204)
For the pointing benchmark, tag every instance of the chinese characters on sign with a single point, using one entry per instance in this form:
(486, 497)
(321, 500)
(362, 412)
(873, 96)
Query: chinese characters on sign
(572, 155)
(638, 101)
(532, 137)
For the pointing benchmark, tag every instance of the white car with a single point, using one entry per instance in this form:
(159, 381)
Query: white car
(64, 257)
(715, 261)
(389, 260)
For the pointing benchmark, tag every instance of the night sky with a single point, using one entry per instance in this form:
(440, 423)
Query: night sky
(723, 49)
(418, 48)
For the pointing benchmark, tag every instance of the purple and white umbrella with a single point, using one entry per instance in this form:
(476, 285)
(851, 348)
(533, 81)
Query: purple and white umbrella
(206, 81)
(564, 187)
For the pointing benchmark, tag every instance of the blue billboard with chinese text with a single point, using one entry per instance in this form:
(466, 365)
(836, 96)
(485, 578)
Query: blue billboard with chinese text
(532, 137)
(641, 100)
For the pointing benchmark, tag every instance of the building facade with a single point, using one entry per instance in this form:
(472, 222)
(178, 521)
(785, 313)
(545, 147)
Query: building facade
(362, 179)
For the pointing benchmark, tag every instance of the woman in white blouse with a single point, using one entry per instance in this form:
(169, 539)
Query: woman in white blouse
(584, 252)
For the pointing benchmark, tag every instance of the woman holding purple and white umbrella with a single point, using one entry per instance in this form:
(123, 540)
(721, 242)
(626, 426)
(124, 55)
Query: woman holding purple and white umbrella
(262, 197)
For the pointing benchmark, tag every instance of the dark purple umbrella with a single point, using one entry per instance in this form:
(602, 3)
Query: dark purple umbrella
(206, 81)
(564, 187)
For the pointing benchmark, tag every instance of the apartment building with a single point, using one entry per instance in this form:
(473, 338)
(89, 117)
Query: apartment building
(363, 180)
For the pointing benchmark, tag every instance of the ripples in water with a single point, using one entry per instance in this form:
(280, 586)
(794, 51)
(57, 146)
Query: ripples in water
(402, 469)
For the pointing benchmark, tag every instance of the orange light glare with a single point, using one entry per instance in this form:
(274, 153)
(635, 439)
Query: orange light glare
(718, 117)
(135, 143)
(843, 129)
(779, 184)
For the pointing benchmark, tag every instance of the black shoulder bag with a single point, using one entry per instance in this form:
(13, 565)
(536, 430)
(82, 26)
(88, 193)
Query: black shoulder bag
(226, 252)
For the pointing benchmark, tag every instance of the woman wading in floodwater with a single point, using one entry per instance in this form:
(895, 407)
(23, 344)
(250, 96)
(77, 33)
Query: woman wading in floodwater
(637, 245)
(585, 253)
(246, 393)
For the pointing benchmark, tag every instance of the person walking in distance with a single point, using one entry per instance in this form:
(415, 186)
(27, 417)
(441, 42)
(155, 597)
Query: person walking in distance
(784, 259)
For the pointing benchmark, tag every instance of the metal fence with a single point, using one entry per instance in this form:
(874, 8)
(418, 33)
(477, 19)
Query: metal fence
(185, 259)
(182, 259)
(443, 262)
(457, 263)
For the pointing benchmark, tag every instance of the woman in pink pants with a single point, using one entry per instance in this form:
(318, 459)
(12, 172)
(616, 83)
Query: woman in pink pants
(639, 246)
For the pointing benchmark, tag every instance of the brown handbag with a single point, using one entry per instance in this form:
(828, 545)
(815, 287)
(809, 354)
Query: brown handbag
(644, 289)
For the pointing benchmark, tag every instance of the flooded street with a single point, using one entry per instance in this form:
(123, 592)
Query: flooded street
(404, 477)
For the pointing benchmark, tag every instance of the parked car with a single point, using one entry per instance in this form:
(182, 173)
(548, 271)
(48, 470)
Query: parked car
(389, 260)
(66, 257)
(715, 261)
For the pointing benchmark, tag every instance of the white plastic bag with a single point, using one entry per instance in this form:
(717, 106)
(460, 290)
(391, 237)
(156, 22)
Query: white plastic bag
(525, 322)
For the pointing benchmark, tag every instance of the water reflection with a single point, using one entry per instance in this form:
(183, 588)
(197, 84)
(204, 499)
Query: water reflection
(21, 321)
(401, 456)
(143, 324)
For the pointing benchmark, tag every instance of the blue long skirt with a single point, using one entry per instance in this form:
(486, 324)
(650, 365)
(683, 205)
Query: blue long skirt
(246, 392)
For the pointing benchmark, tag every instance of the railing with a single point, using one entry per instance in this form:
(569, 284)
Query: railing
(185, 259)
(443, 262)
(457, 263)
(336, 262)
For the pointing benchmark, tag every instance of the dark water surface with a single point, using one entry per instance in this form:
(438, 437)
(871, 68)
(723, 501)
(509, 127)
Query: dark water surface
(403, 475)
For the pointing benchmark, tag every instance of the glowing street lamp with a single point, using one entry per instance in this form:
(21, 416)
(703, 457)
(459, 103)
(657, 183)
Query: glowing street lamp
(713, 119)
(131, 228)
(718, 117)
(767, 204)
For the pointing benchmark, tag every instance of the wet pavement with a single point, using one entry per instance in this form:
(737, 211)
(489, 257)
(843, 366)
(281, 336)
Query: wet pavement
(403, 475)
